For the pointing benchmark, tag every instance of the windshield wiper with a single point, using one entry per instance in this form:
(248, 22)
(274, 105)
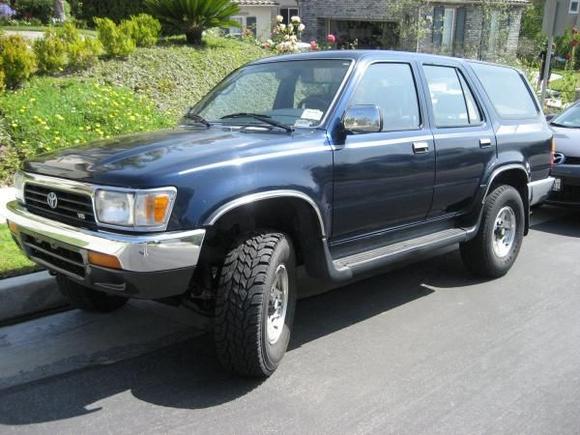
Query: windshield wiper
(197, 118)
(264, 118)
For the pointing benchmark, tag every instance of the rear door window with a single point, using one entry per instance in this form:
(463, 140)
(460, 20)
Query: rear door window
(507, 91)
(453, 102)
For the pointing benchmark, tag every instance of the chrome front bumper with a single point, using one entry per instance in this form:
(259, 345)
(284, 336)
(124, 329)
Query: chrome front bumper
(136, 253)
(540, 190)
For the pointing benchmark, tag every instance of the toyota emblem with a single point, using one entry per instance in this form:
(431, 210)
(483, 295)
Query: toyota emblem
(52, 200)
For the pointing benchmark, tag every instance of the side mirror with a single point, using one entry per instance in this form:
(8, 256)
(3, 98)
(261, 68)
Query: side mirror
(550, 116)
(363, 118)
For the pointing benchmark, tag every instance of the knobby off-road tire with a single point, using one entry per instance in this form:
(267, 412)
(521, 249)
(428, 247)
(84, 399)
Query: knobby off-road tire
(88, 299)
(495, 249)
(250, 291)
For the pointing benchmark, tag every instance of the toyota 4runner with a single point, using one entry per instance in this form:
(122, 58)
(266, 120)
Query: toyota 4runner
(341, 161)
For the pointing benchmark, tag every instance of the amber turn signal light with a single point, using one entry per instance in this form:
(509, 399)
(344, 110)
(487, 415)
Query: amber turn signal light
(104, 260)
(13, 227)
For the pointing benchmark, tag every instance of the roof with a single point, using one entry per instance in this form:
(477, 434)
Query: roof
(374, 55)
(255, 2)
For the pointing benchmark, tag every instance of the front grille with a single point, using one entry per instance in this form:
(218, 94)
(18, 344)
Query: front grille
(59, 257)
(572, 161)
(72, 208)
(569, 193)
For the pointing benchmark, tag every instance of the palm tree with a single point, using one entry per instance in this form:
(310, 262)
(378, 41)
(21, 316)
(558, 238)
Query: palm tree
(192, 17)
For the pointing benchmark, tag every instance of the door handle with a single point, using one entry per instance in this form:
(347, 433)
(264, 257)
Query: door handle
(420, 147)
(484, 142)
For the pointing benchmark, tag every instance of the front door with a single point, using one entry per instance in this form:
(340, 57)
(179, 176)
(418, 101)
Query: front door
(384, 179)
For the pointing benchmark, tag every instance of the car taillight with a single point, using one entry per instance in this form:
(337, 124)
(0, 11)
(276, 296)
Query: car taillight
(552, 152)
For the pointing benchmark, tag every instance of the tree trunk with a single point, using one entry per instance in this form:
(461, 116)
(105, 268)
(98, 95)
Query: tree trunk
(194, 36)
(59, 12)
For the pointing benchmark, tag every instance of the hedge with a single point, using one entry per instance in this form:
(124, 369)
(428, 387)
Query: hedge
(116, 10)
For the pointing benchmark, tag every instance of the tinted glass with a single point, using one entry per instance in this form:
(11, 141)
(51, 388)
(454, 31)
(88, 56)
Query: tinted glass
(291, 92)
(507, 91)
(391, 87)
(449, 107)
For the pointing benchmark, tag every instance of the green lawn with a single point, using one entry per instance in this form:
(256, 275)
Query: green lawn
(12, 261)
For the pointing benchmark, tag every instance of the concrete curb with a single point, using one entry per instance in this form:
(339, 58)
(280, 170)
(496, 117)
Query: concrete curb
(27, 295)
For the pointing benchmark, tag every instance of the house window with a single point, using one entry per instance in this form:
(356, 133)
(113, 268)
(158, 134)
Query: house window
(251, 24)
(236, 30)
(244, 22)
(288, 13)
(573, 8)
(448, 28)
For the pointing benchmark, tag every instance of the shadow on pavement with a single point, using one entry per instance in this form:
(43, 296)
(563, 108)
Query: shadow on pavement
(187, 375)
(568, 225)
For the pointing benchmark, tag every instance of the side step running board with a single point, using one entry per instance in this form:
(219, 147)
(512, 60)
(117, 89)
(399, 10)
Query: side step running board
(369, 260)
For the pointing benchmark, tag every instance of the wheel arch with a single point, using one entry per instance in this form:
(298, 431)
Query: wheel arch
(517, 176)
(289, 211)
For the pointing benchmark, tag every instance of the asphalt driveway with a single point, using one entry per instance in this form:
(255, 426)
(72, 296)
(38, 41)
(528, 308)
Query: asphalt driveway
(424, 349)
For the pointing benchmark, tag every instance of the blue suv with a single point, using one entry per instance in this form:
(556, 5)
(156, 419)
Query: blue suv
(339, 161)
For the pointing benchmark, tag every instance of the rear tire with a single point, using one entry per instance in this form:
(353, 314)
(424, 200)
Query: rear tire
(494, 250)
(87, 299)
(255, 304)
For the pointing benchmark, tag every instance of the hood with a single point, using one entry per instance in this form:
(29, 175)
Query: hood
(567, 140)
(152, 159)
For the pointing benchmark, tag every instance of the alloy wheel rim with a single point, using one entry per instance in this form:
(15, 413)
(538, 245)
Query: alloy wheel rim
(277, 305)
(504, 232)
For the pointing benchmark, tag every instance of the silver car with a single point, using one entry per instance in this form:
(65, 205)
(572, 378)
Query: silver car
(566, 170)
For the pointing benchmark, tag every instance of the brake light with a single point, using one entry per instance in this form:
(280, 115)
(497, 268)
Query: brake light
(552, 152)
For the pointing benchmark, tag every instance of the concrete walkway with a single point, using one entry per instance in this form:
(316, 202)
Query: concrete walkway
(27, 34)
(7, 194)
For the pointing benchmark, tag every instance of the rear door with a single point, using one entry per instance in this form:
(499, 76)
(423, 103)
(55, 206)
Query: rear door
(464, 138)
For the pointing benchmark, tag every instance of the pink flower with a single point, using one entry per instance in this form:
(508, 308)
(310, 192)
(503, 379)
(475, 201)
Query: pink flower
(331, 39)
(314, 45)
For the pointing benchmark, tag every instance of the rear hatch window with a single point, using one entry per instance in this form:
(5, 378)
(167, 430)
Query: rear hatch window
(507, 90)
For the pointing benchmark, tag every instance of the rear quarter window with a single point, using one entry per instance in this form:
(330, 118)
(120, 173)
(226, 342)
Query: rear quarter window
(507, 91)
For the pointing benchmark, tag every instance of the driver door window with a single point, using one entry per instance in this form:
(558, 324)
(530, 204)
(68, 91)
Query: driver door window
(391, 87)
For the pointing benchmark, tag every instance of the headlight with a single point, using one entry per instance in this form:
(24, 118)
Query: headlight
(19, 186)
(147, 209)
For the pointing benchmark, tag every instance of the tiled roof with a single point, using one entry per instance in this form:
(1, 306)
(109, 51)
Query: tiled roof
(256, 2)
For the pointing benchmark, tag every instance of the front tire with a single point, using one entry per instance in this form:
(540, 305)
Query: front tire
(494, 250)
(255, 304)
(87, 299)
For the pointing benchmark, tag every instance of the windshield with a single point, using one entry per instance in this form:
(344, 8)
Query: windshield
(293, 93)
(569, 118)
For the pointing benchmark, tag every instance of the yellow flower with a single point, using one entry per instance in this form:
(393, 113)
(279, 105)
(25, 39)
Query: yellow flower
(59, 117)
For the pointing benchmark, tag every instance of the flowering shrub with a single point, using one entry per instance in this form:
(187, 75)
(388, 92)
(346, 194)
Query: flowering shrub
(143, 29)
(65, 48)
(115, 39)
(16, 60)
(50, 53)
(6, 12)
(82, 51)
(285, 37)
